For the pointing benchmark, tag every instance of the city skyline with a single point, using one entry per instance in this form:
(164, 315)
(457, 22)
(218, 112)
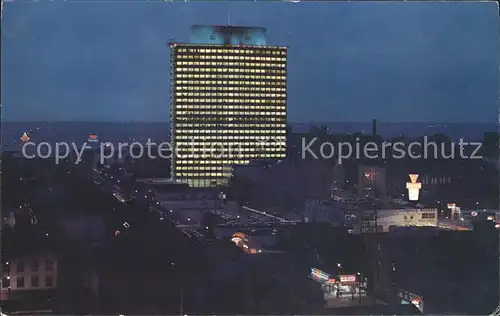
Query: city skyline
(395, 62)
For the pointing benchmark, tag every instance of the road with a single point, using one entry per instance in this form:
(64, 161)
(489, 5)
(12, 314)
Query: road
(455, 225)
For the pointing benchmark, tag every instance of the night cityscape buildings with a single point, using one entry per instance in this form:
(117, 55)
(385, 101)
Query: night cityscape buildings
(238, 222)
(228, 102)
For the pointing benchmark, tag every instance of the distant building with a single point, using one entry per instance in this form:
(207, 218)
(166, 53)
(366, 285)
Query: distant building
(461, 181)
(34, 272)
(30, 280)
(228, 102)
(386, 220)
(372, 181)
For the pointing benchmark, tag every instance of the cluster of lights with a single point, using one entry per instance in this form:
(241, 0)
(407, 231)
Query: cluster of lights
(319, 274)
(413, 187)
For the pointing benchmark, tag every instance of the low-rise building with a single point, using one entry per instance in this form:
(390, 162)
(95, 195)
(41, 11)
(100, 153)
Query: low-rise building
(385, 220)
(325, 211)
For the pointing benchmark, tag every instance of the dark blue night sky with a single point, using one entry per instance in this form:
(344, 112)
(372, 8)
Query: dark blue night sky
(109, 61)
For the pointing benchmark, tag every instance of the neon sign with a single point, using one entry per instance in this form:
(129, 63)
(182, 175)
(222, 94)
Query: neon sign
(413, 187)
(346, 279)
(320, 274)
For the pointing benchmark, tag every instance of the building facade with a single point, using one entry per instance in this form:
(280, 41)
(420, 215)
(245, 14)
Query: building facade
(228, 102)
(386, 220)
(37, 272)
(372, 181)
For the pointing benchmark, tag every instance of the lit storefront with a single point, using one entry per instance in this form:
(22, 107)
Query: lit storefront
(350, 284)
(228, 95)
(411, 298)
(343, 285)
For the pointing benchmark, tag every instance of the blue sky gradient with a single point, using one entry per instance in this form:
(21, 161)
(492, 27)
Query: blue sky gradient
(393, 61)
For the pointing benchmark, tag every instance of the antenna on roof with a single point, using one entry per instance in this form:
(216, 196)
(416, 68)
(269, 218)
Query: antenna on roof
(229, 18)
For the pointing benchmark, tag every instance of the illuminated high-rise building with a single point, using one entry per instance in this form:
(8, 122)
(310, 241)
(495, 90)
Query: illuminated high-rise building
(228, 102)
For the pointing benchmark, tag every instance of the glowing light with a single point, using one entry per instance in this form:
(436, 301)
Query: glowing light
(319, 274)
(25, 138)
(413, 187)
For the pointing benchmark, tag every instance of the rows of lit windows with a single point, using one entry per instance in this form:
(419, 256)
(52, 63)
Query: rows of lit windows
(202, 142)
(228, 67)
(199, 168)
(231, 94)
(249, 146)
(270, 51)
(202, 168)
(230, 107)
(230, 137)
(203, 183)
(182, 100)
(232, 57)
(203, 174)
(244, 152)
(219, 76)
(239, 70)
(231, 125)
(208, 118)
(210, 162)
(264, 98)
(180, 86)
(234, 64)
(229, 152)
(226, 113)
(248, 156)
(231, 82)
(214, 131)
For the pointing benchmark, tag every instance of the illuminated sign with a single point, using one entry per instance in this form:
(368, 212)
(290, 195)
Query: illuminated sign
(413, 187)
(346, 279)
(25, 138)
(474, 214)
(93, 138)
(316, 273)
